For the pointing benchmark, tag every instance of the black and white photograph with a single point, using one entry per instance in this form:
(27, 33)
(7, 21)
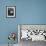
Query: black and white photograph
(31, 34)
(11, 11)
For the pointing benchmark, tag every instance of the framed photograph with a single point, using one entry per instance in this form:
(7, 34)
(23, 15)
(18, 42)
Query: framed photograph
(33, 32)
(10, 11)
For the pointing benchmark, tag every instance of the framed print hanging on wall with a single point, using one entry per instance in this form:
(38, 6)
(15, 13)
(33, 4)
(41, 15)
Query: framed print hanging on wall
(10, 11)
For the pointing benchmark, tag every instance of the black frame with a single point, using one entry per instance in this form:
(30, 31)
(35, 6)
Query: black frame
(14, 12)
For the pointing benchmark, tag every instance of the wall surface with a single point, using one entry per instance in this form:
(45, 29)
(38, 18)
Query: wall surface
(31, 11)
(7, 25)
(27, 12)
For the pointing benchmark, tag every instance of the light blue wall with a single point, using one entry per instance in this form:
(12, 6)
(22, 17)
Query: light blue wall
(7, 25)
(31, 11)
(27, 12)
